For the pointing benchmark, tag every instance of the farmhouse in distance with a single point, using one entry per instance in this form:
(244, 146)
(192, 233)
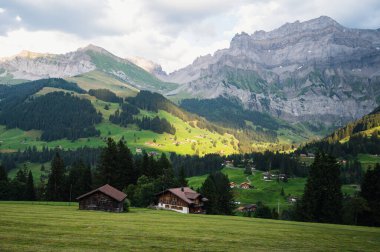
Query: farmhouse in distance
(182, 200)
(104, 198)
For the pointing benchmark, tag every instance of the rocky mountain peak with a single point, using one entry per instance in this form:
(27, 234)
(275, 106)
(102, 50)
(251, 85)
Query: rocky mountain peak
(94, 48)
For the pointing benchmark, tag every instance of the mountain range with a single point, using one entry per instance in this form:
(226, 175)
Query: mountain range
(316, 72)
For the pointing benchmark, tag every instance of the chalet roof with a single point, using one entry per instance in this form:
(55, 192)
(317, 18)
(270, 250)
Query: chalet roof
(184, 193)
(107, 190)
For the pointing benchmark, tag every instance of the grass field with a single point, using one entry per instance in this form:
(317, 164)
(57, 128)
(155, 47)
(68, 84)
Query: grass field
(368, 160)
(268, 192)
(35, 227)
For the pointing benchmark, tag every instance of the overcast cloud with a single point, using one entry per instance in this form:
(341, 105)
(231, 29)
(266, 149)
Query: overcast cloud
(170, 32)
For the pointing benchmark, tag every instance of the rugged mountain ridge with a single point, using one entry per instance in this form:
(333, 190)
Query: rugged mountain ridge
(316, 70)
(34, 66)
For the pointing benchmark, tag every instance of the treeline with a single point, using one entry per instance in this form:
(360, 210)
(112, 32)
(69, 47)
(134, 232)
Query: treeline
(355, 145)
(11, 96)
(155, 124)
(89, 156)
(105, 95)
(195, 165)
(58, 114)
(285, 163)
(141, 176)
(20, 188)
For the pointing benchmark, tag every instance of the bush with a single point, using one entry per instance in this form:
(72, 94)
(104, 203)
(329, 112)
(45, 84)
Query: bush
(126, 205)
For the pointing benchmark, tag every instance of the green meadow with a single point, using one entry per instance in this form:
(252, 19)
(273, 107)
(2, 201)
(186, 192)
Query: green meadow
(268, 192)
(59, 227)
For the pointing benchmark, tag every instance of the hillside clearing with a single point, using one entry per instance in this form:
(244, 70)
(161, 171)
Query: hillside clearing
(31, 227)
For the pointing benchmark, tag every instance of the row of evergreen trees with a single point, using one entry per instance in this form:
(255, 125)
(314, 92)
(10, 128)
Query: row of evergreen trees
(323, 200)
(19, 188)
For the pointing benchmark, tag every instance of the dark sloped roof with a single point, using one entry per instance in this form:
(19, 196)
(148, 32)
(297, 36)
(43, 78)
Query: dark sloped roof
(184, 193)
(107, 190)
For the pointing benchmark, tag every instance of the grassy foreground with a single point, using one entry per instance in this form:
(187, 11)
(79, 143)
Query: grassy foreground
(33, 227)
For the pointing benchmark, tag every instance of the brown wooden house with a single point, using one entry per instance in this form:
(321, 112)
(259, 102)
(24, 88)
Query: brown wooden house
(247, 208)
(182, 199)
(246, 185)
(105, 198)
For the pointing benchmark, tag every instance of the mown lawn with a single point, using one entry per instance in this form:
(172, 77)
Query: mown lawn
(33, 227)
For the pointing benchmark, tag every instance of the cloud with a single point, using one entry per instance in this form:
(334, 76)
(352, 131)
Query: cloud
(170, 32)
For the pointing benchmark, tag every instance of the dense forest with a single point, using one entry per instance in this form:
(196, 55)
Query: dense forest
(58, 114)
(105, 95)
(195, 165)
(155, 124)
(11, 96)
(283, 163)
(89, 156)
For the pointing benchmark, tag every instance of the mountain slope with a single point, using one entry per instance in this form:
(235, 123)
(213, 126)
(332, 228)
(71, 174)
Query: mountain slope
(315, 71)
(358, 137)
(34, 66)
(41, 114)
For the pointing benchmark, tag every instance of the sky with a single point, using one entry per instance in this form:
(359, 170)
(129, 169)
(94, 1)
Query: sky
(171, 33)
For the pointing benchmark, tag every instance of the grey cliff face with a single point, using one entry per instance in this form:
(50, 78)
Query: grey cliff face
(314, 70)
(34, 66)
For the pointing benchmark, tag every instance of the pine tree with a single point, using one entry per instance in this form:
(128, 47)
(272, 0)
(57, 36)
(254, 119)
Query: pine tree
(3, 174)
(55, 189)
(182, 177)
(30, 193)
(125, 169)
(108, 164)
(80, 179)
(370, 190)
(218, 192)
(4, 184)
(322, 199)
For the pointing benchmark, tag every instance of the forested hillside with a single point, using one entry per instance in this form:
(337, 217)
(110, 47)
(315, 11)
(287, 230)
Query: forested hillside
(59, 115)
(361, 136)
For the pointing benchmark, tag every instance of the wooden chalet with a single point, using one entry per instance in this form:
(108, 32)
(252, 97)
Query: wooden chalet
(232, 184)
(245, 185)
(182, 200)
(105, 198)
(247, 208)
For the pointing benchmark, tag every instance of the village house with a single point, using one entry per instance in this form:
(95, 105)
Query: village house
(267, 176)
(105, 198)
(245, 185)
(292, 199)
(182, 200)
(232, 184)
(138, 150)
(283, 177)
(247, 208)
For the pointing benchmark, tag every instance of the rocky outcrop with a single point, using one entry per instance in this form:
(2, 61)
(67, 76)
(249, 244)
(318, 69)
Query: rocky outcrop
(314, 70)
(33, 66)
